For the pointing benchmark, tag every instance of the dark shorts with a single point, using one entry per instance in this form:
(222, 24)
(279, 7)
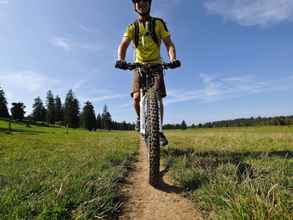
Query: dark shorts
(159, 84)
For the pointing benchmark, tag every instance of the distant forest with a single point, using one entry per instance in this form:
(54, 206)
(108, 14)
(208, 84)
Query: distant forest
(68, 114)
(246, 122)
(240, 122)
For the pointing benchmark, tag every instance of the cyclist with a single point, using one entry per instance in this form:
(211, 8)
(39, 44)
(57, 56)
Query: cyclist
(146, 33)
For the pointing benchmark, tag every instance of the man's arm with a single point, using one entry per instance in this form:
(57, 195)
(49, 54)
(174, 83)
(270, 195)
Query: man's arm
(122, 49)
(170, 48)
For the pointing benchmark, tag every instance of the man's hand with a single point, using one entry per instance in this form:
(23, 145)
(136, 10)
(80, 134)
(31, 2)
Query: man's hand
(121, 65)
(174, 64)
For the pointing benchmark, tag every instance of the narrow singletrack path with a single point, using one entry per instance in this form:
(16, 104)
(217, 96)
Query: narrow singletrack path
(146, 202)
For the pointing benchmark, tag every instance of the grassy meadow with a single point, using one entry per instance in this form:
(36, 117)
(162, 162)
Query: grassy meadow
(47, 173)
(235, 173)
(228, 173)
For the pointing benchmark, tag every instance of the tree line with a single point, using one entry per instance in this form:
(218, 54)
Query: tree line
(183, 126)
(67, 114)
(240, 122)
(247, 122)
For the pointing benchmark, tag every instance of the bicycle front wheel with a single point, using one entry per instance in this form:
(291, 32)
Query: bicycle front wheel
(153, 138)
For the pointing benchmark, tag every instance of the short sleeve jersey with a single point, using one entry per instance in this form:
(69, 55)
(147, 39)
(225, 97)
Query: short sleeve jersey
(147, 50)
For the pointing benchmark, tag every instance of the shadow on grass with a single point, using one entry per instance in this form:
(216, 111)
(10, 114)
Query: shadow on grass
(166, 187)
(6, 131)
(233, 156)
(210, 160)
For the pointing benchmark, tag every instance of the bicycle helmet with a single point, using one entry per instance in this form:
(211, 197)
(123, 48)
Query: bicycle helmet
(150, 2)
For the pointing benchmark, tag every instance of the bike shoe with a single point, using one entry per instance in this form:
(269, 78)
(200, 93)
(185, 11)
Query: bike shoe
(137, 125)
(163, 140)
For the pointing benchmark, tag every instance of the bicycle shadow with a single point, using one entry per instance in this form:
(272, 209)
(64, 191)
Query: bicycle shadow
(166, 186)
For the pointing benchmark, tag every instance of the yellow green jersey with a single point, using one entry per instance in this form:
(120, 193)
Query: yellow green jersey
(147, 50)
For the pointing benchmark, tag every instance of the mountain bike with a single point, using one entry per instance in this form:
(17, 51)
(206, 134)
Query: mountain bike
(150, 114)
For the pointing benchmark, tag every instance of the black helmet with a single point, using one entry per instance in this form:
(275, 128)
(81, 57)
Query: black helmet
(150, 2)
(134, 1)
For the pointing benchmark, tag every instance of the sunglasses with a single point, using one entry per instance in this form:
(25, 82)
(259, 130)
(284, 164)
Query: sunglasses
(137, 1)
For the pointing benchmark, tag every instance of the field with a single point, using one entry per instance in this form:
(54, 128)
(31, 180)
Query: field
(235, 173)
(46, 173)
(228, 173)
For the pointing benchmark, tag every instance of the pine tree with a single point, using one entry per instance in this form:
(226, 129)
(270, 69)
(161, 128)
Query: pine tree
(17, 111)
(59, 114)
(71, 110)
(3, 105)
(39, 111)
(50, 108)
(89, 117)
(99, 122)
(106, 119)
(76, 114)
(68, 108)
(183, 125)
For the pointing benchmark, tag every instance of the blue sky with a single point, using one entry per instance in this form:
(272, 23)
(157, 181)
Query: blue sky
(236, 55)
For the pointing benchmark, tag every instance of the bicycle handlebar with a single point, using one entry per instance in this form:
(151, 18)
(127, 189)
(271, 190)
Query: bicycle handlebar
(132, 66)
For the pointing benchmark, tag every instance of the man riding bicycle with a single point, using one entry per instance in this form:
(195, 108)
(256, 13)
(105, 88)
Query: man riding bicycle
(146, 34)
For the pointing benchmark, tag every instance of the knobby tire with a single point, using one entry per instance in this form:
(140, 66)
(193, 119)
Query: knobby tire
(153, 141)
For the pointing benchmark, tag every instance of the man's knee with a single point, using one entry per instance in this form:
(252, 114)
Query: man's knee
(136, 98)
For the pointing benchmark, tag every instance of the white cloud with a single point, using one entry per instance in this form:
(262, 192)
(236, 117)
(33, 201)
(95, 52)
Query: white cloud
(222, 88)
(102, 95)
(252, 12)
(67, 44)
(27, 81)
(62, 42)
(89, 29)
(107, 97)
(24, 86)
(79, 84)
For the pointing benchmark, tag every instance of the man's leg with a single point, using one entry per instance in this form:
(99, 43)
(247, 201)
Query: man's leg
(136, 100)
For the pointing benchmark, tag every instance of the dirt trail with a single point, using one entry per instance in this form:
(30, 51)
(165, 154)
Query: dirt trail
(146, 202)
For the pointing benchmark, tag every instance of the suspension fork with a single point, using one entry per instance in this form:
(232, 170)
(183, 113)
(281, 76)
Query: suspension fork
(143, 112)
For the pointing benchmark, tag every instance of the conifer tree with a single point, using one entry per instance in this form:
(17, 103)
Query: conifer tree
(106, 119)
(183, 125)
(76, 114)
(99, 122)
(89, 117)
(50, 108)
(59, 114)
(71, 110)
(68, 108)
(39, 111)
(3, 105)
(17, 111)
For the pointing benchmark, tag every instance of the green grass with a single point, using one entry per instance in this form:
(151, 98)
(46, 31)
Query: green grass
(235, 173)
(46, 173)
(229, 173)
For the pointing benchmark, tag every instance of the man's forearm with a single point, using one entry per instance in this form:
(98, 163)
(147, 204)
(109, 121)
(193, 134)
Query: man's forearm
(122, 52)
(172, 52)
